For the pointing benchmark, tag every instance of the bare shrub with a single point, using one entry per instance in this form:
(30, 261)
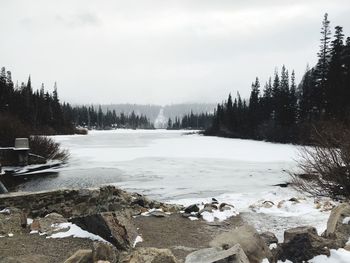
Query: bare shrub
(325, 167)
(48, 148)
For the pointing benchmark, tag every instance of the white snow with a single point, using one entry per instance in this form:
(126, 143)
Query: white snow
(75, 231)
(337, 256)
(346, 220)
(5, 211)
(137, 240)
(10, 234)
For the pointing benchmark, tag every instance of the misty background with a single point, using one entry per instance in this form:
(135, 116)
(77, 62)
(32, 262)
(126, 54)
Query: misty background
(159, 51)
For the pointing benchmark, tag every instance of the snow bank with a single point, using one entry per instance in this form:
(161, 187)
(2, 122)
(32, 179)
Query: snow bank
(271, 210)
(337, 256)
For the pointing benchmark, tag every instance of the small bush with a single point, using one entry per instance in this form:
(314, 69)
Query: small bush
(48, 148)
(325, 167)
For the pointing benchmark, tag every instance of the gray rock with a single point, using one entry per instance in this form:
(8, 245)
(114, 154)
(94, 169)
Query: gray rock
(191, 208)
(336, 229)
(81, 256)
(252, 244)
(291, 233)
(210, 255)
(104, 251)
(269, 238)
(114, 227)
(158, 214)
(48, 224)
(150, 255)
(302, 244)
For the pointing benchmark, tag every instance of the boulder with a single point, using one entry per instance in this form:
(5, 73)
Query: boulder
(302, 244)
(48, 224)
(104, 252)
(338, 227)
(150, 255)
(211, 255)
(191, 208)
(249, 239)
(81, 256)
(114, 227)
(291, 233)
(269, 238)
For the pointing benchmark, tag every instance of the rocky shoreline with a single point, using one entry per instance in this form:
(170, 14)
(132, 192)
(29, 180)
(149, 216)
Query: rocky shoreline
(108, 224)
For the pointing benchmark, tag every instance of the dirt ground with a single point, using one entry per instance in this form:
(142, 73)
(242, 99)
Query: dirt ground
(181, 235)
(35, 248)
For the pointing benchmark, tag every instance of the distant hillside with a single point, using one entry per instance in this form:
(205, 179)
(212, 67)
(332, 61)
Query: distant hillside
(169, 111)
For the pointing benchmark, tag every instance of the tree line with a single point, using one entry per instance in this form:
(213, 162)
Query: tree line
(25, 111)
(283, 111)
(199, 121)
(95, 118)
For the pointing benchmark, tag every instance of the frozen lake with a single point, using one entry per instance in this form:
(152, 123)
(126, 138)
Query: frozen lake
(170, 164)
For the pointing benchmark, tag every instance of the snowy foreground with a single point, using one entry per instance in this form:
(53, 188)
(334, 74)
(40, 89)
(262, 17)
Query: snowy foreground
(189, 169)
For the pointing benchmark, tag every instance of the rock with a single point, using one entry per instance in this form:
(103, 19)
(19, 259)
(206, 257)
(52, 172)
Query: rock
(191, 208)
(302, 244)
(337, 227)
(186, 215)
(210, 255)
(48, 224)
(150, 255)
(211, 205)
(252, 244)
(293, 199)
(347, 247)
(224, 206)
(267, 204)
(111, 226)
(81, 256)
(269, 238)
(289, 234)
(104, 252)
(157, 213)
(214, 201)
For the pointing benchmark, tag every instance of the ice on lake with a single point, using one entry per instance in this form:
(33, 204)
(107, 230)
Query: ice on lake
(170, 164)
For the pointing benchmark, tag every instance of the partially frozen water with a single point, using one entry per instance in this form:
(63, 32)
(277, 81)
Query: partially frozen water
(170, 164)
(187, 169)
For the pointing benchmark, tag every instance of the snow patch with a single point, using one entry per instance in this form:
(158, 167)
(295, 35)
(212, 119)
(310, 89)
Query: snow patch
(75, 231)
(346, 220)
(137, 240)
(337, 256)
(5, 211)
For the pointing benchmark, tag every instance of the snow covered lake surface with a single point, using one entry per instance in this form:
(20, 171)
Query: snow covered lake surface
(175, 167)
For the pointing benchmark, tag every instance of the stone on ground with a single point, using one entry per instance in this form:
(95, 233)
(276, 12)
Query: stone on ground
(302, 244)
(338, 227)
(114, 227)
(252, 244)
(211, 255)
(81, 256)
(150, 255)
(104, 252)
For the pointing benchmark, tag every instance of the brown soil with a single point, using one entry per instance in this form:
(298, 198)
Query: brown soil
(49, 250)
(181, 235)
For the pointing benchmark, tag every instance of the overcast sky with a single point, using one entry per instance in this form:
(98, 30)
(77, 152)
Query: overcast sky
(159, 51)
